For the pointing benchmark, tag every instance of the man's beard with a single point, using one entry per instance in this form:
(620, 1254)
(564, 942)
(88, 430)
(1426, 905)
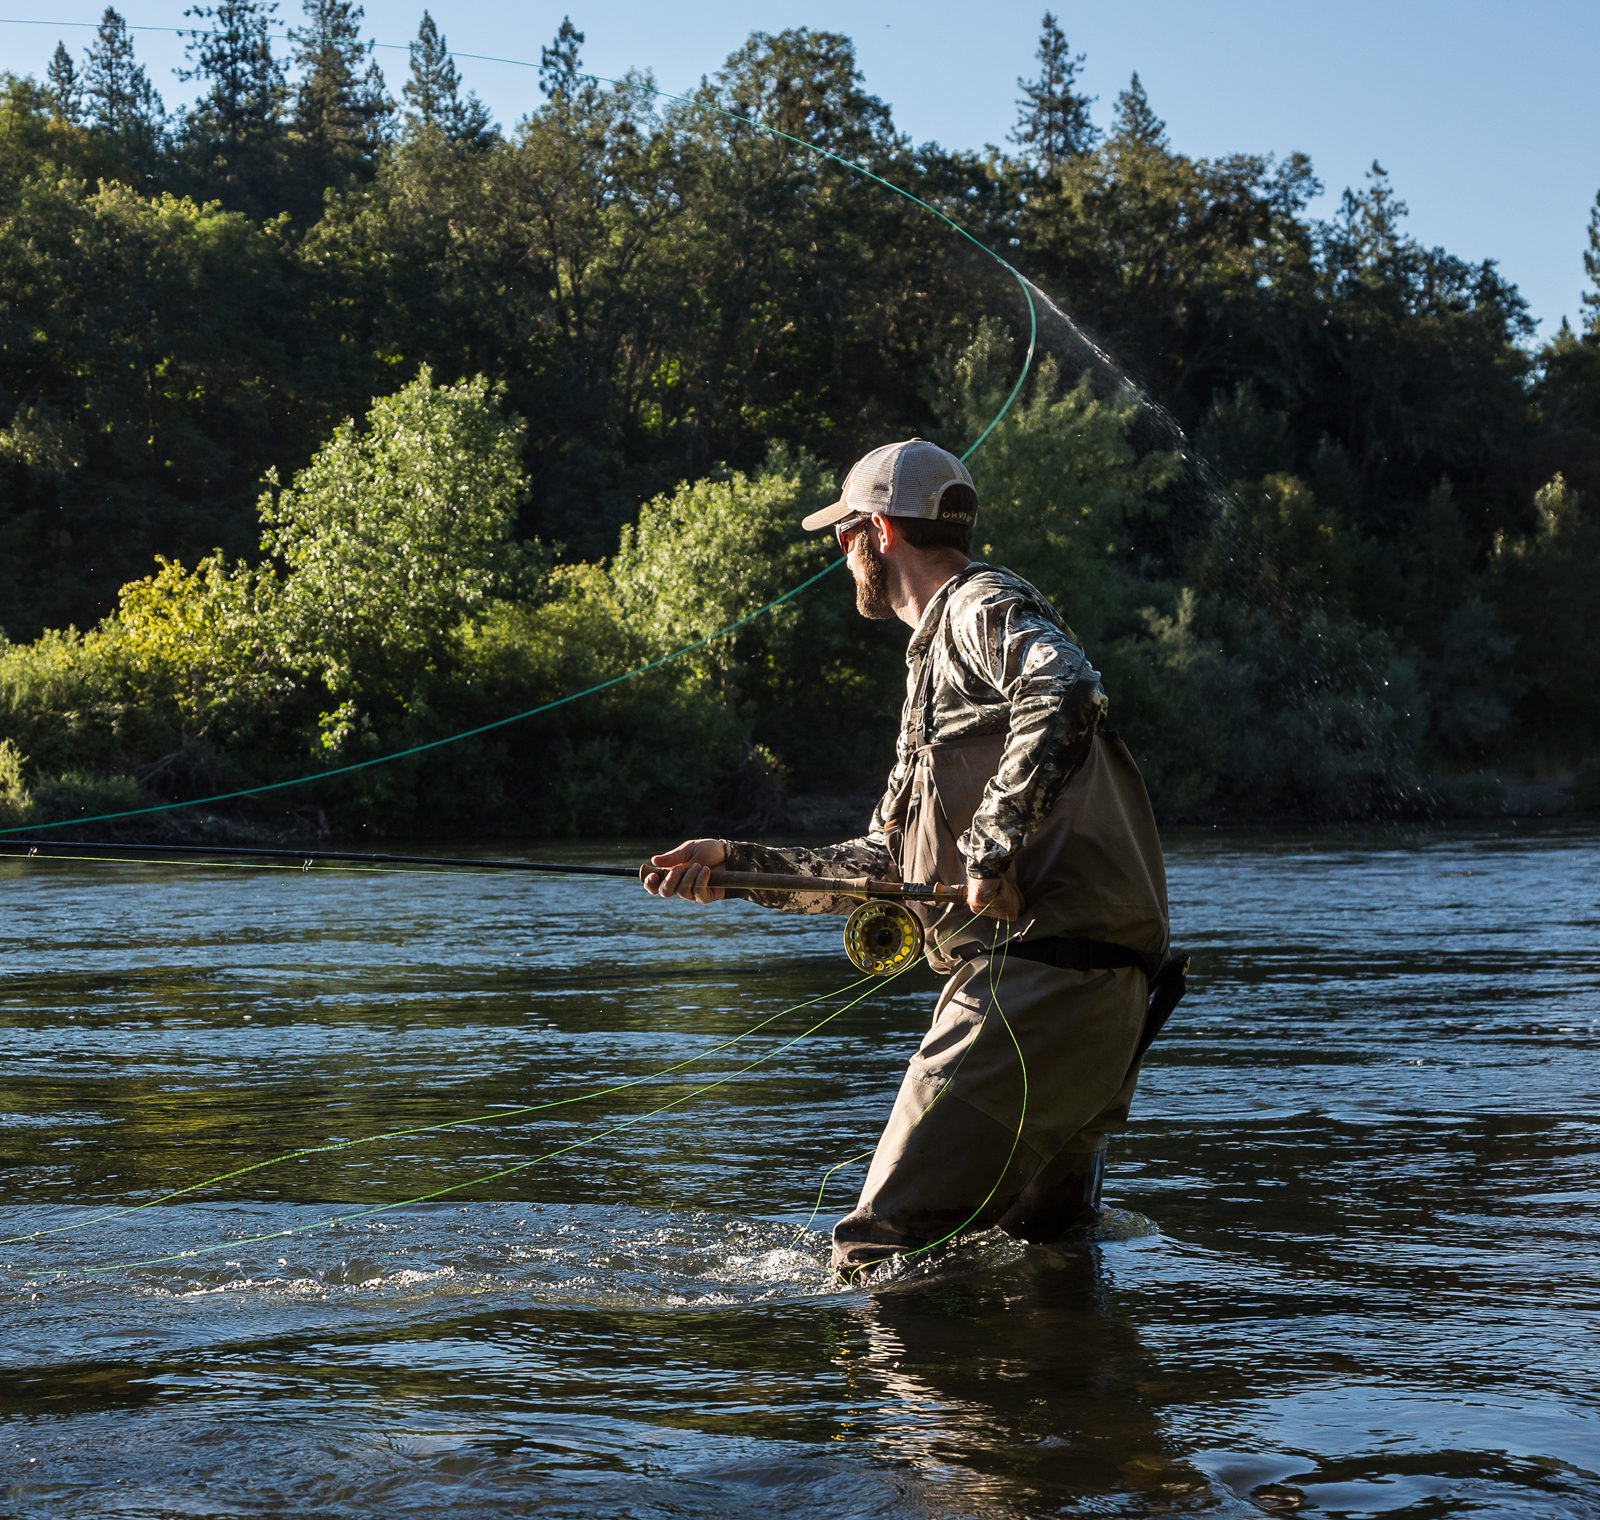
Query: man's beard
(872, 583)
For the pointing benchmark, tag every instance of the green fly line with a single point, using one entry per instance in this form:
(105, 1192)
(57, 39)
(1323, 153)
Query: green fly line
(456, 1187)
(493, 1116)
(995, 971)
(483, 728)
(838, 1166)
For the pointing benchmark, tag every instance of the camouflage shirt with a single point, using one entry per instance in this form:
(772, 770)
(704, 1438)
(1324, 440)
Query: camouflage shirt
(989, 656)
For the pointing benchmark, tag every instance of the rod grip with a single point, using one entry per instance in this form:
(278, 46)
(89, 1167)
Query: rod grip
(840, 886)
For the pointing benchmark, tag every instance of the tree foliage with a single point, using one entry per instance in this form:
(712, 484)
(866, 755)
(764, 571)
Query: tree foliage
(341, 109)
(1304, 484)
(433, 94)
(395, 532)
(63, 87)
(233, 135)
(118, 96)
(1053, 121)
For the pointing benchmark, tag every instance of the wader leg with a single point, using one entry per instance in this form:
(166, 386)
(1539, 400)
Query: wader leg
(928, 1180)
(1064, 1198)
(941, 1164)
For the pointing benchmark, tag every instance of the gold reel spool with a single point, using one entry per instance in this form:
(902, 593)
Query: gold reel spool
(882, 937)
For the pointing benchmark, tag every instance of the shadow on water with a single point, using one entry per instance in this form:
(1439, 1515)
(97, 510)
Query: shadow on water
(1348, 1270)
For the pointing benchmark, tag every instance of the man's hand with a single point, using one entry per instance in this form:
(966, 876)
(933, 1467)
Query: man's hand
(994, 897)
(687, 870)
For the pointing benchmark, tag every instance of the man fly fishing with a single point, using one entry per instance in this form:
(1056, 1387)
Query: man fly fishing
(1005, 778)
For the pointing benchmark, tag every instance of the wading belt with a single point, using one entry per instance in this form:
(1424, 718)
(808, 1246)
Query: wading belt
(1068, 954)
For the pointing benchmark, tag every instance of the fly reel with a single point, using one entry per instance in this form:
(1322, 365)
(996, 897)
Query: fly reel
(882, 937)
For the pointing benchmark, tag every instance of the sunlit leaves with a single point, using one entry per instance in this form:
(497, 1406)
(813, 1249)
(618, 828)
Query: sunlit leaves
(394, 533)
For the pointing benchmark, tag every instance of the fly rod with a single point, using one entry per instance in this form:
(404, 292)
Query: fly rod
(881, 936)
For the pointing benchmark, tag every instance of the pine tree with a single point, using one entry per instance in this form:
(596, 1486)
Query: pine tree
(341, 108)
(1135, 121)
(1053, 120)
(435, 81)
(243, 104)
(433, 93)
(1591, 267)
(559, 62)
(121, 101)
(65, 88)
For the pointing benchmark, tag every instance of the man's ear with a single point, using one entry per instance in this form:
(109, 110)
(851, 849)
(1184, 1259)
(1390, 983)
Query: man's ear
(883, 529)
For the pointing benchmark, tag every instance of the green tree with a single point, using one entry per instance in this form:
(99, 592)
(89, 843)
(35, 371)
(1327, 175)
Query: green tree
(340, 107)
(64, 87)
(194, 640)
(1591, 267)
(234, 132)
(1135, 121)
(151, 354)
(799, 310)
(1191, 271)
(1275, 550)
(16, 800)
(809, 686)
(558, 63)
(392, 535)
(530, 260)
(1053, 120)
(1061, 485)
(118, 96)
(1543, 584)
(703, 556)
(1420, 370)
(433, 93)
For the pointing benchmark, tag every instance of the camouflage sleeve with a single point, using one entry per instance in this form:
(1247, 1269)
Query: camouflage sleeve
(1056, 706)
(866, 856)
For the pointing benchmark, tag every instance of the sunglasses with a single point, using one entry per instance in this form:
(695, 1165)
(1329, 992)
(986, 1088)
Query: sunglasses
(847, 530)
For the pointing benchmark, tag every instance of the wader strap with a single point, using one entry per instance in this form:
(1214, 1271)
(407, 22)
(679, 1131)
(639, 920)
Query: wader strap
(1068, 954)
(922, 701)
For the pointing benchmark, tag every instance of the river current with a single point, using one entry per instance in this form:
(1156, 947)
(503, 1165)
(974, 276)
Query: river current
(1349, 1265)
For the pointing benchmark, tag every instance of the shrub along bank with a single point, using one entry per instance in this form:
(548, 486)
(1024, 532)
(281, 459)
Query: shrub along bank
(392, 606)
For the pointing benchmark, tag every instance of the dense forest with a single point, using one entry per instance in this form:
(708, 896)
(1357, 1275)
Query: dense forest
(331, 425)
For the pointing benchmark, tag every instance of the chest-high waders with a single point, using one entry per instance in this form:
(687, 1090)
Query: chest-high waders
(1033, 1051)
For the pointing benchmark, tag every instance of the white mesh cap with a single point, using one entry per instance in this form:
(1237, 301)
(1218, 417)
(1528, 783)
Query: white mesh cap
(898, 480)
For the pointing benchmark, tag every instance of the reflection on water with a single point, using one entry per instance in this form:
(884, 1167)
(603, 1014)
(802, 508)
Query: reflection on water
(1349, 1267)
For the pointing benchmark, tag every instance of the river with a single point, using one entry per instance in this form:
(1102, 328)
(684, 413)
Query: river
(1349, 1265)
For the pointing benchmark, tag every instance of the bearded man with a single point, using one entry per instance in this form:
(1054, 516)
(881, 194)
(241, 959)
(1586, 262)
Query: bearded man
(1005, 778)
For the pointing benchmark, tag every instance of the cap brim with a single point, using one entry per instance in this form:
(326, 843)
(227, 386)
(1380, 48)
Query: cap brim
(827, 517)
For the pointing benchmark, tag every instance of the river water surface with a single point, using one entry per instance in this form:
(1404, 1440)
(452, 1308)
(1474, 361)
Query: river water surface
(1349, 1265)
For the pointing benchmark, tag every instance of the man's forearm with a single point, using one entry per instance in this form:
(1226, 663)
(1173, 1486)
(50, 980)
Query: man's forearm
(854, 857)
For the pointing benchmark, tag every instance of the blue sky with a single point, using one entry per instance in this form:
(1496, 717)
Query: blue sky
(1485, 113)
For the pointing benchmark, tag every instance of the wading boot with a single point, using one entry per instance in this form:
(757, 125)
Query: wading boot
(1061, 1202)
